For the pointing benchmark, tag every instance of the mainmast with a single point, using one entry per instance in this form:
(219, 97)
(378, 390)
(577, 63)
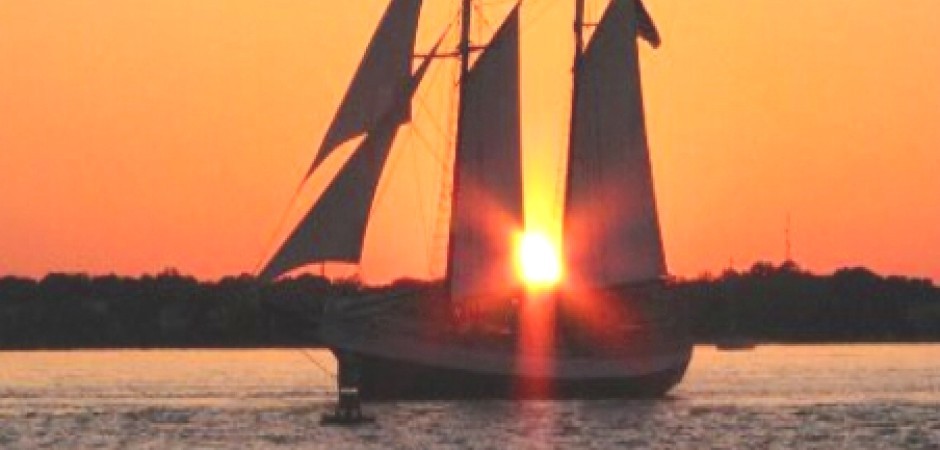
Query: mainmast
(465, 14)
(466, 11)
(575, 76)
(578, 33)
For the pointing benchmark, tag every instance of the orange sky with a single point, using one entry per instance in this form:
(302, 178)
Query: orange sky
(136, 136)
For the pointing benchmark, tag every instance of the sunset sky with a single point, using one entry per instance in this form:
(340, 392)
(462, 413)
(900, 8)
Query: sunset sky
(140, 135)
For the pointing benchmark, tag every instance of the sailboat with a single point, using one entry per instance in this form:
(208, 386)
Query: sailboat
(611, 329)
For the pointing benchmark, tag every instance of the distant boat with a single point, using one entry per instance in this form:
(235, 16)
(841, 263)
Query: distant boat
(615, 329)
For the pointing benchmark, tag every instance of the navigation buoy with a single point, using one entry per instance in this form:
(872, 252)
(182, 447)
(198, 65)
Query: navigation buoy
(348, 406)
(348, 409)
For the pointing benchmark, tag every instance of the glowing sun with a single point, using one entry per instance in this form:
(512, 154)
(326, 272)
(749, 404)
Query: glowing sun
(538, 260)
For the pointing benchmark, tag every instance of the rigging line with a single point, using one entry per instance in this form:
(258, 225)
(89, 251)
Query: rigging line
(422, 217)
(426, 30)
(429, 146)
(437, 127)
(538, 15)
(316, 363)
(387, 174)
(279, 226)
(483, 24)
(486, 25)
(450, 24)
(434, 78)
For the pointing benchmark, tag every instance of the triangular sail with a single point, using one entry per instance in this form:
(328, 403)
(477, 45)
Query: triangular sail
(645, 28)
(385, 67)
(334, 229)
(611, 227)
(487, 203)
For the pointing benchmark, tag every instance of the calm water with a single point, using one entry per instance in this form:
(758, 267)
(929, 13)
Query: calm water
(861, 396)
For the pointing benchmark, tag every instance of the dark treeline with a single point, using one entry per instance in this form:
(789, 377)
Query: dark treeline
(786, 304)
(167, 310)
(766, 303)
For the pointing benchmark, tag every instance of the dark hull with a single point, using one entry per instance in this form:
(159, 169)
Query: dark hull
(598, 357)
(387, 379)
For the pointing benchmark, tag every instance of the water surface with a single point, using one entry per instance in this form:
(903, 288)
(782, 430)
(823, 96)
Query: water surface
(840, 396)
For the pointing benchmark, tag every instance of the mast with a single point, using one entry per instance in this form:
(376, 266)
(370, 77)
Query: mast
(578, 33)
(465, 16)
(466, 9)
(575, 75)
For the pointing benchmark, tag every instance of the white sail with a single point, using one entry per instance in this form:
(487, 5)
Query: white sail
(334, 229)
(611, 227)
(385, 67)
(487, 203)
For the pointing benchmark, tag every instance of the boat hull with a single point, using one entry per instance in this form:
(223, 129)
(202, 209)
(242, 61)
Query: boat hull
(642, 352)
(385, 379)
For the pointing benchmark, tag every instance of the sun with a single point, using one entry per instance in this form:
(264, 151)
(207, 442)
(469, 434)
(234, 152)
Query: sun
(539, 263)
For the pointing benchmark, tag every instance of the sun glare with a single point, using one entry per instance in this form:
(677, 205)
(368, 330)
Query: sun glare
(538, 260)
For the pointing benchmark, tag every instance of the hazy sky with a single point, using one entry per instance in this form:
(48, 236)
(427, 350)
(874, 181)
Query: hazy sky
(139, 135)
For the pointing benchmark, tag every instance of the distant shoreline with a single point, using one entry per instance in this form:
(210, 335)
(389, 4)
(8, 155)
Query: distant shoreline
(766, 305)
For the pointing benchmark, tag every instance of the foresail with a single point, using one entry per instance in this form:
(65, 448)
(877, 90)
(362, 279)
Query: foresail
(611, 228)
(334, 229)
(373, 91)
(487, 205)
(645, 28)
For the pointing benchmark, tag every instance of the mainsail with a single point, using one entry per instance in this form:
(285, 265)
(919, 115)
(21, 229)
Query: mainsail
(334, 229)
(487, 203)
(385, 67)
(611, 227)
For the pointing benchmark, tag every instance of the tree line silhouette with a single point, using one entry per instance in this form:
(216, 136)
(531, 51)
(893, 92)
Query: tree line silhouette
(765, 303)
(786, 304)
